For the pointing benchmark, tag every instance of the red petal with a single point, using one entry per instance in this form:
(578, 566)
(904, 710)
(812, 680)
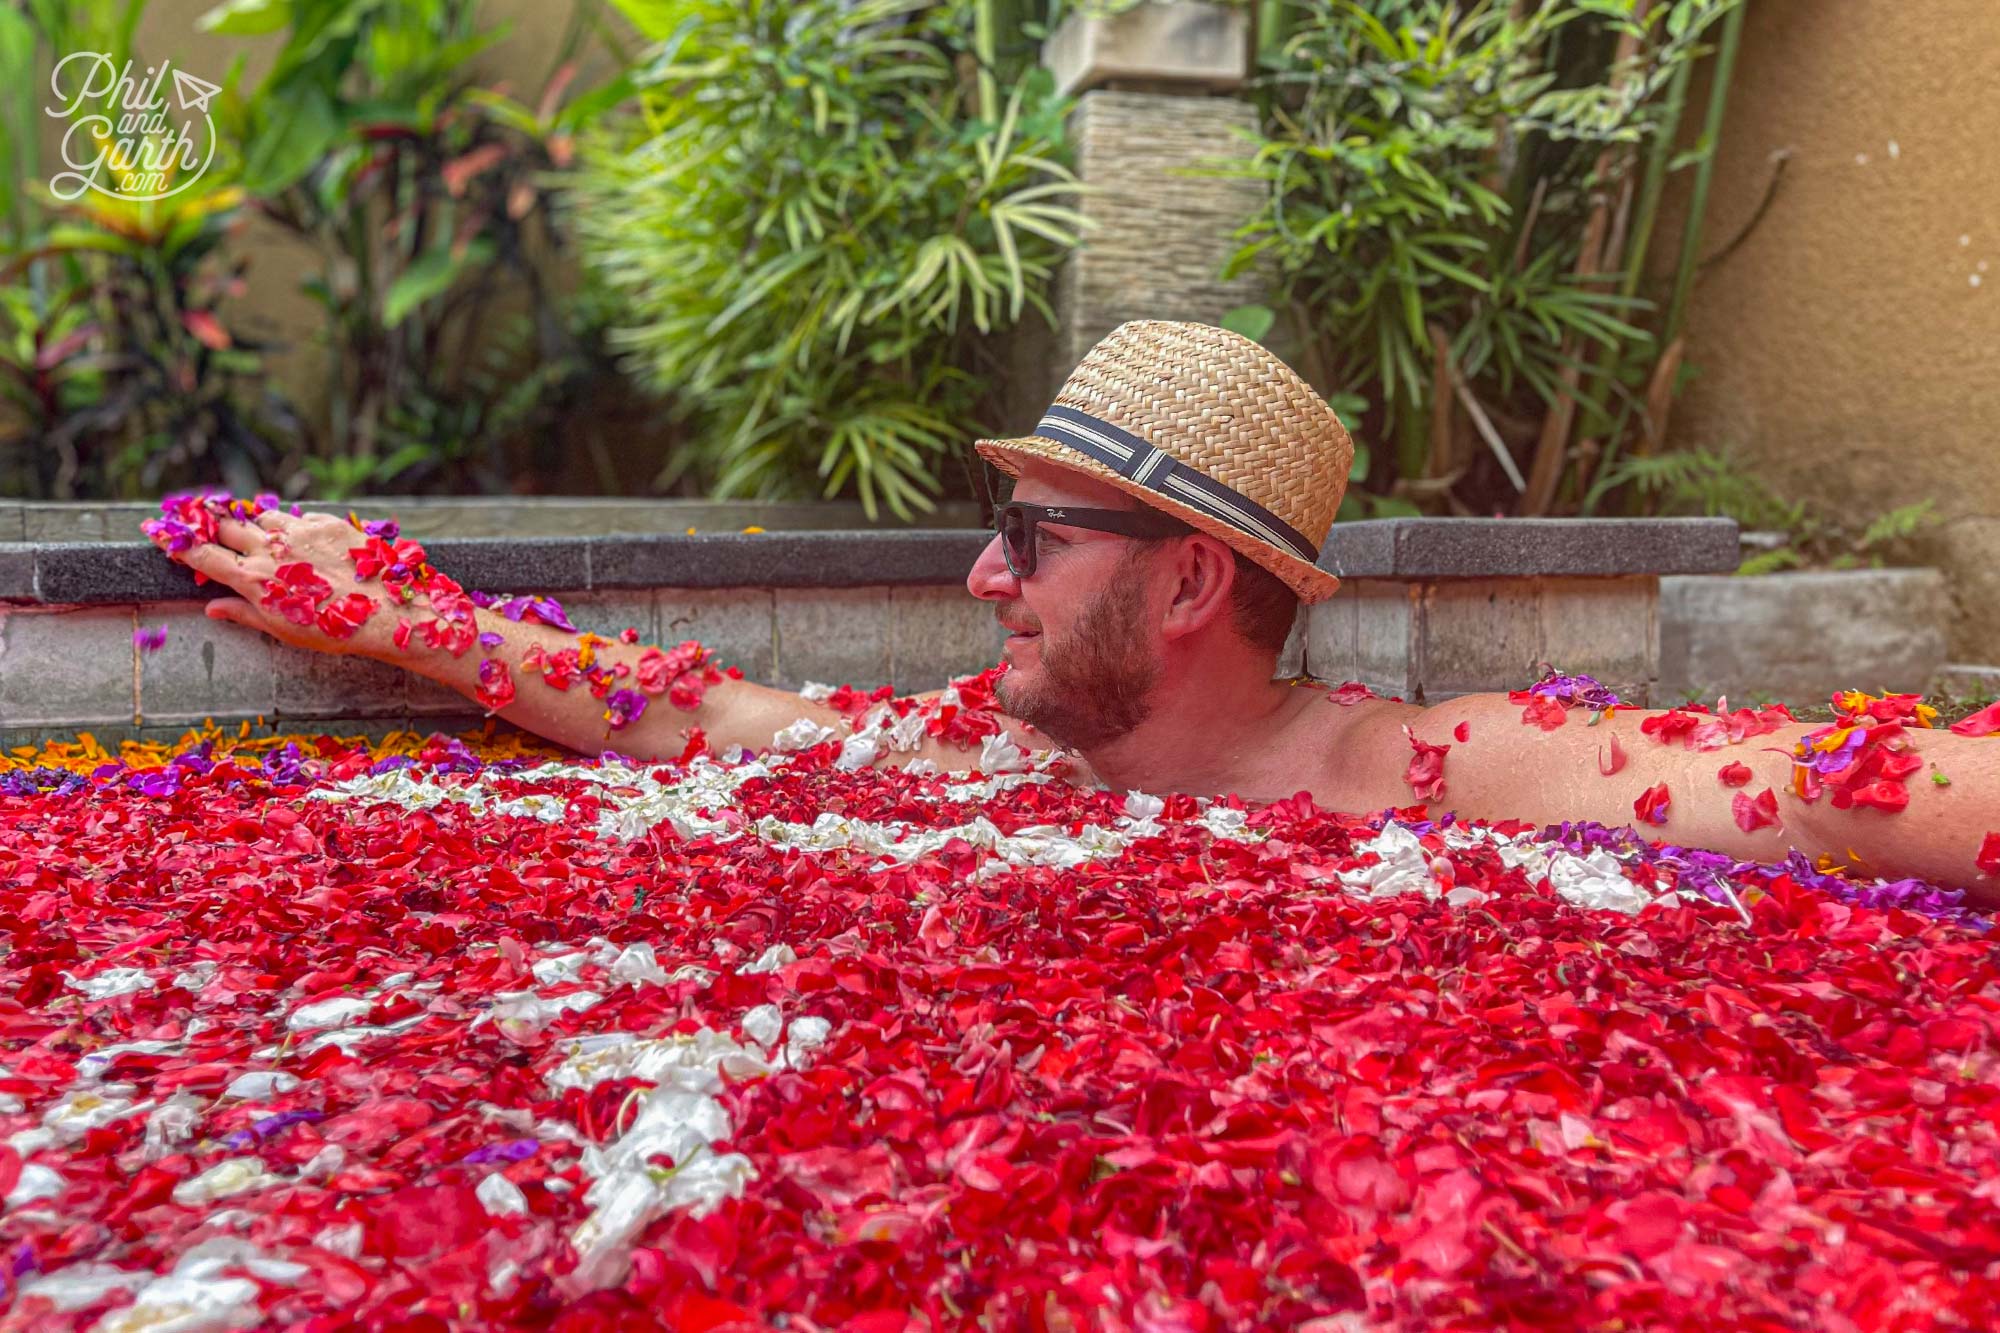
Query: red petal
(1544, 712)
(1425, 773)
(1752, 815)
(1616, 761)
(1735, 775)
(1985, 722)
(1889, 797)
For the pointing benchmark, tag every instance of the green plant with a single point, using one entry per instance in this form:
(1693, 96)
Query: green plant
(1790, 534)
(428, 199)
(34, 34)
(136, 382)
(119, 371)
(810, 229)
(1448, 222)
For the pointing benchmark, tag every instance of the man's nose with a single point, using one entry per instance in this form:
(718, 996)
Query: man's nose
(990, 579)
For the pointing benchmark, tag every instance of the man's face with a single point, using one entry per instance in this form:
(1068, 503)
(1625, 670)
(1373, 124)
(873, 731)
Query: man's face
(1084, 658)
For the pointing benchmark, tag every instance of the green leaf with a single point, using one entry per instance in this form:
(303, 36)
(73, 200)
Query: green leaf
(431, 275)
(1770, 562)
(68, 237)
(296, 132)
(246, 18)
(1252, 321)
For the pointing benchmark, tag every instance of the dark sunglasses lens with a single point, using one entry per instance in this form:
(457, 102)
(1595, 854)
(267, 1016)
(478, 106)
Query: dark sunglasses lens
(1014, 540)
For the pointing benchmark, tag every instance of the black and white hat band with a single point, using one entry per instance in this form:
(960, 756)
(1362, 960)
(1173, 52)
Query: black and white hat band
(1157, 470)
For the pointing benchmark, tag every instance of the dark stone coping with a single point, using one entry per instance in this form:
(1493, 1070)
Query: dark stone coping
(1485, 548)
(1398, 548)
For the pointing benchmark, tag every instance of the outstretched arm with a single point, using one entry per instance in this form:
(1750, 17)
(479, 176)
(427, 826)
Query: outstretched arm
(582, 691)
(1923, 808)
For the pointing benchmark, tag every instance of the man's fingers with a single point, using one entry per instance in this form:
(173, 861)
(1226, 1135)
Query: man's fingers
(221, 564)
(246, 538)
(233, 609)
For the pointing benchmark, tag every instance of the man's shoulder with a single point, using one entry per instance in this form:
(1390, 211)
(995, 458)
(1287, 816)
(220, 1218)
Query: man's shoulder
(1349, 740)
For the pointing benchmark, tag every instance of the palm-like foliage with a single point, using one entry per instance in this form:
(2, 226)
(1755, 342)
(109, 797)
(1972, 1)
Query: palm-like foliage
(1440, 178)
(808, 227)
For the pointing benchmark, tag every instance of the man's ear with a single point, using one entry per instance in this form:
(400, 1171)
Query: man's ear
(1205, 571)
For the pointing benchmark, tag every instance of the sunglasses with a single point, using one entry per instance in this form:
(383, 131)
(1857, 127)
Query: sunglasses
(1017, 522)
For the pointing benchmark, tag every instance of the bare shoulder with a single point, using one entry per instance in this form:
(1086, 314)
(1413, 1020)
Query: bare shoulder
(1352, 748)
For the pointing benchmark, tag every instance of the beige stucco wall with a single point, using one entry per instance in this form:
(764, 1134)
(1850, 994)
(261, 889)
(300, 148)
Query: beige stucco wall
(1851, 347)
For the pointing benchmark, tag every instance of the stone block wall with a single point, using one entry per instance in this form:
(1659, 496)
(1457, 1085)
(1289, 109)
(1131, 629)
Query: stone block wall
(1160, 236)
(1426, 641)
(69, 668)
(1429, 608)
(1800, 636)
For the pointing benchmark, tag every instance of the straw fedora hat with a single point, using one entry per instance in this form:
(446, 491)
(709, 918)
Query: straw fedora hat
(1209, 427)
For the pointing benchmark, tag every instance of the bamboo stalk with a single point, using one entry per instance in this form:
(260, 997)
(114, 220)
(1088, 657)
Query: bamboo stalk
(986, 49)
(1647, 213)
(1656, 178)
(1552, 449)
(1441, 461)
(1274, 23)
(1711, 136)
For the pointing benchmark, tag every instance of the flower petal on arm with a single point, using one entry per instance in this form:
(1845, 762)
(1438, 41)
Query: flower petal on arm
(1985, 722)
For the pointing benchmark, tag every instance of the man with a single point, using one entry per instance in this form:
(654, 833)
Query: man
(1163, 529)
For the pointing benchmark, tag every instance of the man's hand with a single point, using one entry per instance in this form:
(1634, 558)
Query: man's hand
(247, 555)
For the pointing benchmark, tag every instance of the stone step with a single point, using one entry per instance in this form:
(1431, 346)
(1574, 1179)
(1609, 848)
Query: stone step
(1967, 680)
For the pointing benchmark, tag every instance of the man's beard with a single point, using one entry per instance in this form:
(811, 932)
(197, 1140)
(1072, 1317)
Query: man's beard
(1096, 684)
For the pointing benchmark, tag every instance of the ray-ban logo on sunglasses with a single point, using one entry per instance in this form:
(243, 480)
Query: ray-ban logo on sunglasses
(124, 144)
(1057, 513)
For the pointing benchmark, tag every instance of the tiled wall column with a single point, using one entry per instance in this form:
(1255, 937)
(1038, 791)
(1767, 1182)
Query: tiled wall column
(1427, 641)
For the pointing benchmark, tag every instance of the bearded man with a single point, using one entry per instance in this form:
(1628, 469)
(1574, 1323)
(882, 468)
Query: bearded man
(1162, 532)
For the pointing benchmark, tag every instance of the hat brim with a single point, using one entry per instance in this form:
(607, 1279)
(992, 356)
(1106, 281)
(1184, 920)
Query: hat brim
(1309, 581)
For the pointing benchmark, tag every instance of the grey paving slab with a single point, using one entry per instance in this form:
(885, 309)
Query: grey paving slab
(1480, 636)
(835, 637)
(430, 516)
(937, 634)
(17, 572)
(206, 668)
(607, 613)
(787, 559)
(1473, 548)
(1798, 637)
(62, 666)
(524, 564)
(111, 572)
(313, 684)
(1409, 549)
(738, 624)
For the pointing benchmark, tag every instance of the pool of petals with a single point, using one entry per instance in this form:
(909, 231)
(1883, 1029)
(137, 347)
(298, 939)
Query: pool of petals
(441, 1033)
